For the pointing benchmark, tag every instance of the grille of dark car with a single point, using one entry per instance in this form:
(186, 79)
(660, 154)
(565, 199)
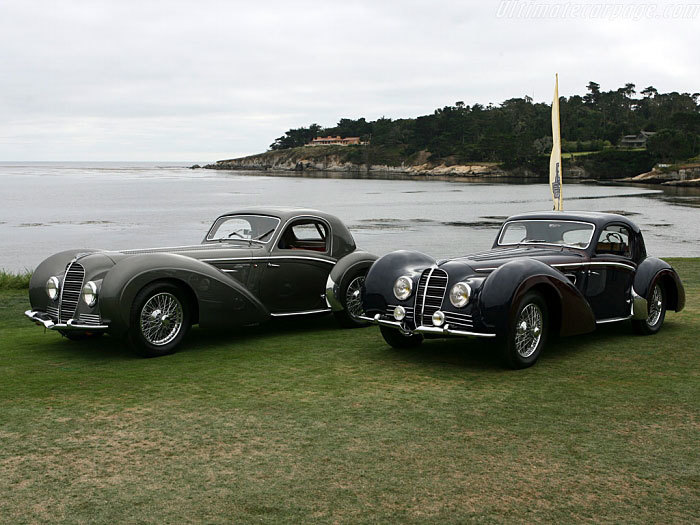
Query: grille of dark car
(459, 321)
(70, 291)
(429, 295)
(409, 312)
(90, 319)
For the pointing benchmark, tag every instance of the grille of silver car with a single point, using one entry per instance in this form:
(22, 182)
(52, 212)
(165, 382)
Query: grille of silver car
(70, 291)
(53, 312)
(429, 295)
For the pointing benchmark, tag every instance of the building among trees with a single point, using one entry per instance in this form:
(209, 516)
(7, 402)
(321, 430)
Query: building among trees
(636, 141)
(334, 141)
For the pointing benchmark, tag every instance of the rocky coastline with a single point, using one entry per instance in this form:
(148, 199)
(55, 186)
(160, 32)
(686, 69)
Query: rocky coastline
(335, 160)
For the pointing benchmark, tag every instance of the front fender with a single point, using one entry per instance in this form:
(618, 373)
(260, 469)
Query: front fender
(570, 313)
(221, 300)
(652, 270)
(356, 261)
(49, 267)
(379, 284)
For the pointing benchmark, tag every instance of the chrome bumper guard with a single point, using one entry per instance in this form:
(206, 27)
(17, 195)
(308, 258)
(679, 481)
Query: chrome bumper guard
(436, 330)
(43, 319)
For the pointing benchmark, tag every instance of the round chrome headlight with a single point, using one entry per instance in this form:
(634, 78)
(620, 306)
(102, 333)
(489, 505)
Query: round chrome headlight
(403, 288)
(460, 294)
(53, 286)
(90, 293)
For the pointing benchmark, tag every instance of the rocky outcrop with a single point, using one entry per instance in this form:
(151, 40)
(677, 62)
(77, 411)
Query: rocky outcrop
(338, 159)
(682, 175)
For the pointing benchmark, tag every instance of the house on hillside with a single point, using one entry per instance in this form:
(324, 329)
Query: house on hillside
(636, 141)
(334, 141)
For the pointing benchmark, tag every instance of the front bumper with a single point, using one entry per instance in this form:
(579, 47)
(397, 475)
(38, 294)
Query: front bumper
(43, 319)
(434, 330)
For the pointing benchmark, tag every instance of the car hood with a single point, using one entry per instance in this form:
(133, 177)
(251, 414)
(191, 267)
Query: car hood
(492, 259)
(197, 251)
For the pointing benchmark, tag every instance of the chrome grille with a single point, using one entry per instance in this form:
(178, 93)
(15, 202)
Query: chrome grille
(53, 312)
(90, 319)
(429, 295)
(70, 291)
(409, 312)
(459, 321)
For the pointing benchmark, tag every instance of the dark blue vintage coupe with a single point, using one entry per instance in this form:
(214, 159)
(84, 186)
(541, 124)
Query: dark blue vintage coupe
(546, 274)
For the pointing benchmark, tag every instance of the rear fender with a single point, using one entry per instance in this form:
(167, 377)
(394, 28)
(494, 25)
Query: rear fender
(349, 265)
(651, 271)
(221, 300)
(503, 289)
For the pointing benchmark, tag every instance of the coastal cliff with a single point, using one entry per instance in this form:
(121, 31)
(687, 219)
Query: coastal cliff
(348, 159)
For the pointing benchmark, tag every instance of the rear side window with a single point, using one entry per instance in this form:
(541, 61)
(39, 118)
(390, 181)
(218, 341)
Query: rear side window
(615, 240)
(305, 234)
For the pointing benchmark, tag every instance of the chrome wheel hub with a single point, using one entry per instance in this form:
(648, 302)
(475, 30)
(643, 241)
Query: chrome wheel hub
(161, 319)
(655, 306)
(353, 297)
(529, 330)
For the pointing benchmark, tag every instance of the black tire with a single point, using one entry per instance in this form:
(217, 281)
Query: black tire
(82, 336)
(349, 292)
(397, 339)
(154, 337)
(656, 312)
(527, 333)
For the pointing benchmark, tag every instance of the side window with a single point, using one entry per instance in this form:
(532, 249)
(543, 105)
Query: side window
(305, 234)
(614, 239)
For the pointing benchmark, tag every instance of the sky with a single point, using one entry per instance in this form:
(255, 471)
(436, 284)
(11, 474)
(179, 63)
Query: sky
(204, 80)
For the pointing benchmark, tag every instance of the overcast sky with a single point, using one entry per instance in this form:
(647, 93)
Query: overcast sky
(201, 81)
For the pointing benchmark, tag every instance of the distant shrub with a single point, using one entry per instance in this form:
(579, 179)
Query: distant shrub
(14, 281)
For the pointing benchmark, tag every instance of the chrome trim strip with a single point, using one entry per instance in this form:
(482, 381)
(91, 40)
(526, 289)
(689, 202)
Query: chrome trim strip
(304, 312)
(266, 258)
(613, 320)
(569, 265)
(445, 330)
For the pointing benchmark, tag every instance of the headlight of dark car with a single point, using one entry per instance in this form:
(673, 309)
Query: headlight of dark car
(460, 294)
(403, 286)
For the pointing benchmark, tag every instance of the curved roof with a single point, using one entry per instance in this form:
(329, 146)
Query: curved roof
(343, 242)
(598, 218)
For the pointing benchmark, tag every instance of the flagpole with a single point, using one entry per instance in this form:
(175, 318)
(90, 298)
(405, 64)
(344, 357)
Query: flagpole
(555, 172)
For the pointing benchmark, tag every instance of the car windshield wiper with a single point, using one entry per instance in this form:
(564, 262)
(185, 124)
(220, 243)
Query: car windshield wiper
(527, 241)
(263, 235)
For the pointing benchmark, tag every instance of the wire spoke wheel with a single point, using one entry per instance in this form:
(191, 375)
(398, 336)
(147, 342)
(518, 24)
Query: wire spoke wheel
(353, 297)
(528, 330)
(161, 318)
(655, 306)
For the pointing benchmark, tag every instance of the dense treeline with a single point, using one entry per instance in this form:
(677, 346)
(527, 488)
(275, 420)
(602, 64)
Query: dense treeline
(518, 131)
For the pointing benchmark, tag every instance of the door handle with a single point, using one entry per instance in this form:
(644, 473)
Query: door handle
(272, 265)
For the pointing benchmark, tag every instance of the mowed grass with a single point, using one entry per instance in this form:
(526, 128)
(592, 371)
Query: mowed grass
(302, 422)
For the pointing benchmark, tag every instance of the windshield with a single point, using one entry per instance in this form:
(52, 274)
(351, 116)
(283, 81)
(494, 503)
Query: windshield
(249, 228)
(561, 233)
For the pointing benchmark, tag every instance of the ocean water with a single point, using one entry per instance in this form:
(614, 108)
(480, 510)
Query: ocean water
(49, 207)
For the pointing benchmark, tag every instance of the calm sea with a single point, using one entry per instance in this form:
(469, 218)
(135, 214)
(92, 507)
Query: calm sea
(49, 207)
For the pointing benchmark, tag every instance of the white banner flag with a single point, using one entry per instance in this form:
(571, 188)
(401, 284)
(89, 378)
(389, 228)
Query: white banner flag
(555, 175)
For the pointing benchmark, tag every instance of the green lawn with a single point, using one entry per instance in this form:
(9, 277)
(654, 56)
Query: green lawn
(302, 422)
